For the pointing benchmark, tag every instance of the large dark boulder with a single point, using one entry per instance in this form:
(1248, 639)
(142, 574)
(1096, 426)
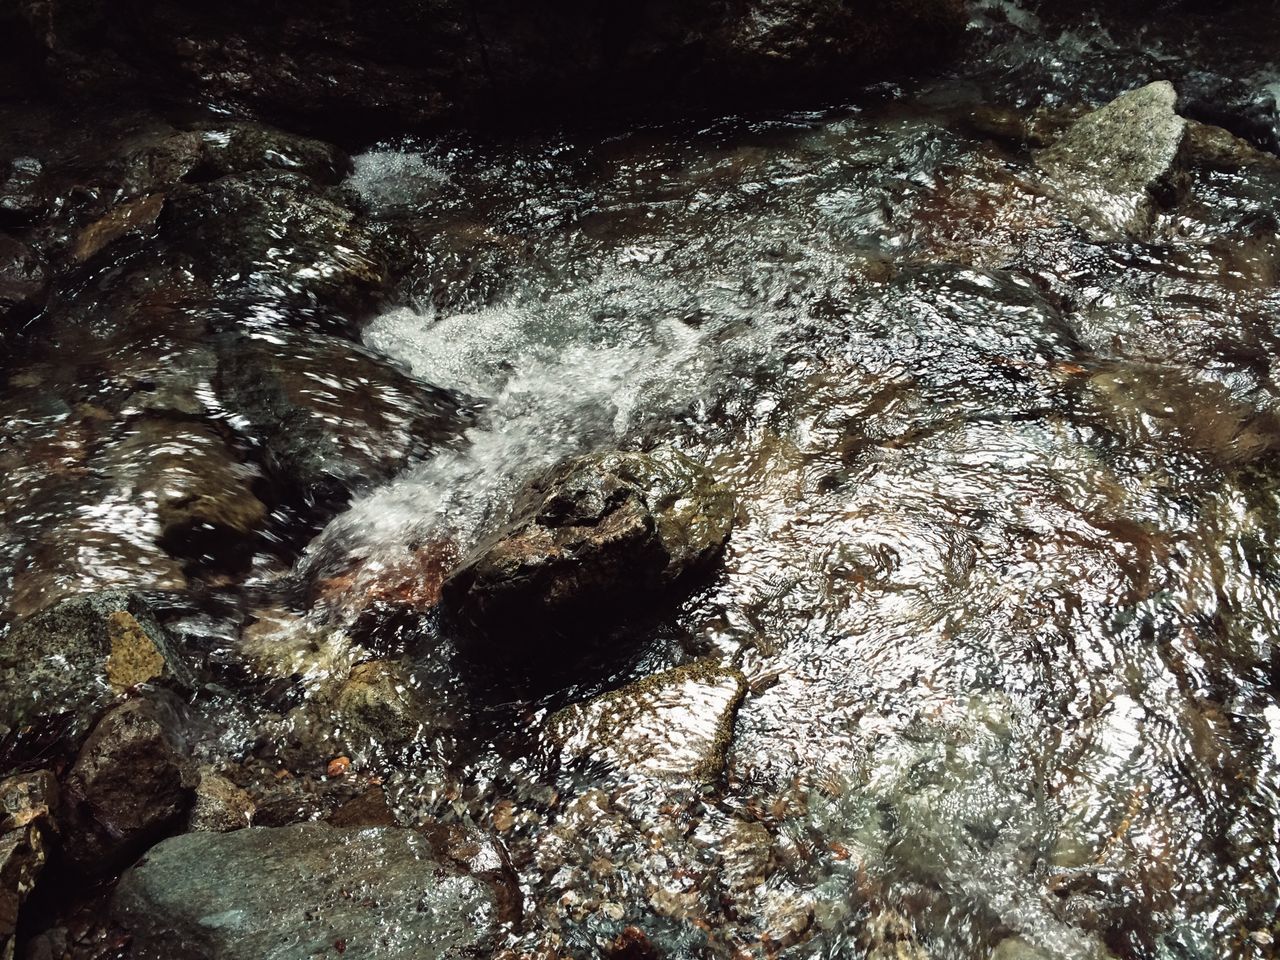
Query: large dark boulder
(591, 541)
(302, 891)
(339, 66)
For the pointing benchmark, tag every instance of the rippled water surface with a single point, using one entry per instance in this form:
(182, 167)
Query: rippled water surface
(1003, 583)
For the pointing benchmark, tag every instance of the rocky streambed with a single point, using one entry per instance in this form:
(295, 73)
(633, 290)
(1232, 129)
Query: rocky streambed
(713, 495)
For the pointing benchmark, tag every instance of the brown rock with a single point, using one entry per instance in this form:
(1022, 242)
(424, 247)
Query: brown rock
(131, 782)
(131, 217)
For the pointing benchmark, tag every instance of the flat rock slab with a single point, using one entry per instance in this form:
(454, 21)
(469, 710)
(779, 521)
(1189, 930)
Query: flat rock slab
(1119, 164)
(674, 725)
(303, 891)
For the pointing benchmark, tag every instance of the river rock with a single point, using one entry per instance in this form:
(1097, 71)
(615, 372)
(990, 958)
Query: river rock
(77, 656)
(23, 195)
(324, 436)
(297, 892)
(23, 281)
(219, 805)
(219, 150)
(1120, 164)
(27, 806)
(591, 540)
(276, 238)
(131, 782)
(674, 725)
(398, 63)
(198, 488)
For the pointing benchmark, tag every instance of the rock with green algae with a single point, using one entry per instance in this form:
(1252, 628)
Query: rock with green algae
(675, 725)
(76, 657)
(593, 539)
(301, 891)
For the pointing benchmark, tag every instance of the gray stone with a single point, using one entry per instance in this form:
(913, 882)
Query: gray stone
(78, 655)
(292, 893)
(675, 725)
(1118, 165)
(219, 806)
(590, 541)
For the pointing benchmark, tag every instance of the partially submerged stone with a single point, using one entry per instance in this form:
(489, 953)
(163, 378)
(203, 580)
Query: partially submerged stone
(591, 541)
(1120, 164)
(675, 725)
(75, 657)
(292, 893)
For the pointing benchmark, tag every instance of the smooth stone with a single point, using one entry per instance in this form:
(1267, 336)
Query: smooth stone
(675, 725)
(1120, 164)
(296, 892)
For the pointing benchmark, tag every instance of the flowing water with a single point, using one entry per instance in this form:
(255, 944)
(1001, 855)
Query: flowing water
(1003, 581)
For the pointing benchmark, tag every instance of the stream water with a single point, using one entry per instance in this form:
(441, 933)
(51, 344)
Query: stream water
(1003, 581)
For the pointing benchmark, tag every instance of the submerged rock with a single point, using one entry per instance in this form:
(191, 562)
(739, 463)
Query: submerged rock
(131, 782)
(592, 540)
(329, 416)
(1121, 163)
(674, 725)
(297, 892)
(75, 657)
(277, 238)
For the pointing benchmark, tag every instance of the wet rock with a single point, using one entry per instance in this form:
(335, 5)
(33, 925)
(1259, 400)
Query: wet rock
(219, 805)
(134, 217)
(591, 540)
(1218, 149)
(396, 63)
(297, 892)
(277, 238)
(675, 725)
(131, 782)
(200, 491)
(22, 858)
(324, 436)
(23, 281)
(27, 806)
(23, 196)
(225, 149)
(75, 657)
(1120, 164)
(1015, 948)
(378, 702)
